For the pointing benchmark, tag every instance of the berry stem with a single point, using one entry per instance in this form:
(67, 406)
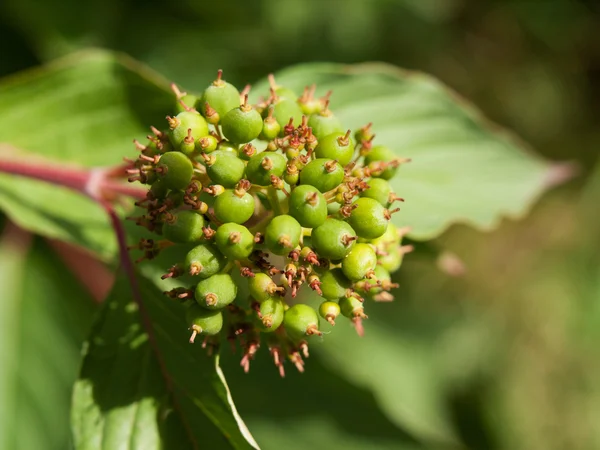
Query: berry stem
(274, 200)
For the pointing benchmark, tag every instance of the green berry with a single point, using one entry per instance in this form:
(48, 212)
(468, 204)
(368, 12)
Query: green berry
(220, 96)
(263, 165)
(392, 260)
(352, 307)
(381, 153)
(184, 227)
(334, 284)
(203, 321)
(271, 127)
(175, 170)
(324, 124)
(272, 311)
(333, 239)
(225, 168)
(261, 287)
(282, 234)
(159, 189)
(324, 174)
(390, 237)
(189, 100)
(379, 189)
(308, 206)
(207, 144)
(284, 93)
(300, 321)
(369, 219)
(241, 125)
(186, 124)
(286, 109)
(234, 206)
(216, 292)
(336, 146)
(204, 260)
(359, 262)
(329, 311)
(234, 241)
(369, 286)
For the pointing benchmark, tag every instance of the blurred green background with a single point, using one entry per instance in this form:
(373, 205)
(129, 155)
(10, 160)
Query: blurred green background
(493, 337)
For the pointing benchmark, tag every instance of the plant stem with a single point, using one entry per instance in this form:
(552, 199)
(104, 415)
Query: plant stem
(93, 182)
(274, 200)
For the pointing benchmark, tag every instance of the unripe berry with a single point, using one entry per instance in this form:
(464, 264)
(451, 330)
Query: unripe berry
(336, 146)
(184, 227)
(233, 206)
(381, 153)
(234, 241)
(175, 170)
(352, 307)
(333, 239)
(369, 219)
(324, 123)
(204, 260)
(216, 292)
(379, 189)
(323, 174)
(159, 190)
(282, 234)
(225, 168)
(392, 260)
(207, 144)
(184, 124)
(308, 206)
(329, 311)
(203, 321)
(334, 284)
(284, 109)
(189, 100)
(360, 262)
(241, 125)
(263, 165)
(271, 127)
(271, 315)
(221, 96)
(261, 287)
(370, 286)
(300, 321)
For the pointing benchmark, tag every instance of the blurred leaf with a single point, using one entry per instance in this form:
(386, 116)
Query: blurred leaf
(44, 315)
(126, 398)
(463, 168)
(84, 109)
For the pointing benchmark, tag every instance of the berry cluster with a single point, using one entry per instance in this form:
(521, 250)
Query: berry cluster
(282, 194)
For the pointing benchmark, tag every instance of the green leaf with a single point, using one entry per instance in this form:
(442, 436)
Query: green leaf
(128, 398)
(44, 315)
(84, 110)
(463, 168)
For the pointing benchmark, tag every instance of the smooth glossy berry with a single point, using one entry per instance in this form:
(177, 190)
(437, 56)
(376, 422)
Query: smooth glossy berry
(184, 124)
(372, 286)
(352, 307)
(271, 127)
(378, 154)
(338, 146)
(282, 234)
(324, 174)
(204, 260)
(392, 259)
(308, 206)
(270, 315)
(286, 109)
(234, 206)
(261, 287)
(220, 96)
(189, 100)
(234, 241)
(203, 321)
(324, 124)
(216, 292)
(333, 239)
(242, 125)
(369, 219)
(175, 170)
(379, 189)
(263, 165)
(184, 227)
(359, 262)
(207, 144)
(301, 321)
(329, 311)
(334, 284)
(225, 168)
